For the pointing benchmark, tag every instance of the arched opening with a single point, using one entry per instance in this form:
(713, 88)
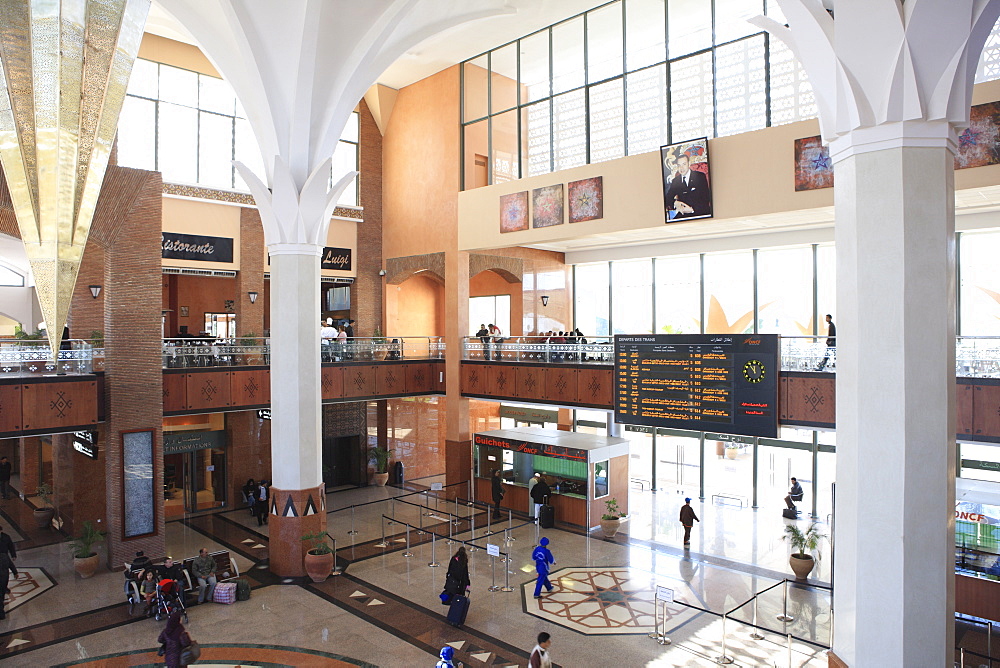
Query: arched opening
(494, 297)
(415, 307)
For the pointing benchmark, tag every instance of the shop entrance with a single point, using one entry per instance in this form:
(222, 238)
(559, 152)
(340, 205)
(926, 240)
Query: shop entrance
(194, 471)
(342, 462)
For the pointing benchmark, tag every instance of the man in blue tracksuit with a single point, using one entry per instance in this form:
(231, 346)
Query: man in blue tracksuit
(543, 559)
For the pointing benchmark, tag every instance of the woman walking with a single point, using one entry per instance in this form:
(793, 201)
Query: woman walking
(174, 638)
(457, 580)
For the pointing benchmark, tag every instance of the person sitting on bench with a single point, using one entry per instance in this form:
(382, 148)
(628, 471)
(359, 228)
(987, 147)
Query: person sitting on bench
(794, 494)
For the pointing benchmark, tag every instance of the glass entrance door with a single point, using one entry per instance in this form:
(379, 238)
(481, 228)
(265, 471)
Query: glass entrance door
(677, 465)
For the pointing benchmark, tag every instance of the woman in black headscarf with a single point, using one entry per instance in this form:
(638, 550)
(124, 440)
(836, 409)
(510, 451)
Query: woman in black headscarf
(174, 638)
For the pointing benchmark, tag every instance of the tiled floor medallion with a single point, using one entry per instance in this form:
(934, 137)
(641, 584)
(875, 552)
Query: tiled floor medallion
(229, 656)
(596, 601)
(29, 583)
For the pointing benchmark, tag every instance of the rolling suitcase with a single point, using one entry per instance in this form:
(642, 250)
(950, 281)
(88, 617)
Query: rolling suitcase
(546, 516)
(458, 610)
(790, 514)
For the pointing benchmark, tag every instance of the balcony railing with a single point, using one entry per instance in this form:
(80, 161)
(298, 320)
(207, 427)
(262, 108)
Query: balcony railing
(596, 350)
(193, 353)
(27, 357)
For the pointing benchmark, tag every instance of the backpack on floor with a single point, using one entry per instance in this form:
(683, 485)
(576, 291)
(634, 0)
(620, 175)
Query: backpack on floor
(242, 589)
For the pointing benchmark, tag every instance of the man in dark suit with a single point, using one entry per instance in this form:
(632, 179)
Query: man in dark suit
(831, 342)
(688, 195)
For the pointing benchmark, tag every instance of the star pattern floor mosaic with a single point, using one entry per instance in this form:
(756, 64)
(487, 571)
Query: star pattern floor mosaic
(29, 583)
(599, 601)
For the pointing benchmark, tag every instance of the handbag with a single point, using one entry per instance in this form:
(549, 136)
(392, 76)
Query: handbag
(190, 653)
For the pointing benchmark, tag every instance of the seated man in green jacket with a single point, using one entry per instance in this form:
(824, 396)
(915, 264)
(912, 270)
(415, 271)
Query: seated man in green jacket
(203, 569)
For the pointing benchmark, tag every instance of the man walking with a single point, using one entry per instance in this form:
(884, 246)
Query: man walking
(204, 568)
(6, 569)
(688, 518)
(543, 560)
(831, 341)
(497, 489)
(4, 478)
(540, 654)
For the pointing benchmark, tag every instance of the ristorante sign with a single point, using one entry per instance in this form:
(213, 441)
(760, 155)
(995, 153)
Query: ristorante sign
(528, 448)
(196, 247)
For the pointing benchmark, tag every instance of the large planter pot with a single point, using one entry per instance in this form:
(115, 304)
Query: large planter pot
(610, 527)
(86, 566)
(801, 566)
(380, 479)
(43, 517)
(318, 566)
(731, 453)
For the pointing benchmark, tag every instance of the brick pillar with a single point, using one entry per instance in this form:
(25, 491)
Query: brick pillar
(458, 443)
(250, 277)
(29, 465)
(79, 483)
(129, 223)
(86, 314)
(367, 290)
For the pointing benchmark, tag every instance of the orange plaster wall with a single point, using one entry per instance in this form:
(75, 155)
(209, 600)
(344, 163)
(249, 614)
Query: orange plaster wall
(420, 168)
(415, 307)
(488, 283)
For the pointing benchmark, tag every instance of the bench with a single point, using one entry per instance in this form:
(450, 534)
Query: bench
(226, 568)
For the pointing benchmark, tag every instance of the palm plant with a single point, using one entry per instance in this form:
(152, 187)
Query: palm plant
(318, 541)
(804, 543)
(83, 545)
(381, 457)
(613, 511)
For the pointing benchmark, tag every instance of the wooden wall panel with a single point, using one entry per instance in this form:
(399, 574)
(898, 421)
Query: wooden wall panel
(782, 398)
(332, 382)
(501, 379)
(530, 382)
(595, 387)
(437, 370)
(208, 390)
(421, 377)
(561, 384)
(58, 405)
(986, 411)
(473, 378)
(390, 379)
(174, 392)
(811, 400)
(250, 387)
(977, 597)
(10, 407)
(964, 402)
(359, 381)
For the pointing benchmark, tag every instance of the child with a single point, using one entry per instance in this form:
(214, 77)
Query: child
(149, 590)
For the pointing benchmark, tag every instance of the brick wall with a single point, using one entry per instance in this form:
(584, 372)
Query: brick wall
(249, 453)
(250, 277)
(366, 292)
(86, 314)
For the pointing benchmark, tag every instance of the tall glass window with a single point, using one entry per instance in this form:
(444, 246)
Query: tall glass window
(826, 285)
(785, 291)
(591, 310)
(678, 295)
(632, 297)
(980, 287)
(729, 293)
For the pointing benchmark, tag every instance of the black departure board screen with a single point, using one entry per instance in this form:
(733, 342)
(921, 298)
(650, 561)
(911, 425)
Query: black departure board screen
(704, 382)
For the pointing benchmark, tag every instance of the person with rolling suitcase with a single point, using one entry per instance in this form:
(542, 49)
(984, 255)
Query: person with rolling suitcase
(543, 511)
(456, 588)
(543, 559)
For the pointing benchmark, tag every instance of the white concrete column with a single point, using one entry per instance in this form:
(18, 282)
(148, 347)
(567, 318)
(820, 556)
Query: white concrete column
(296, 427)
(894, 573)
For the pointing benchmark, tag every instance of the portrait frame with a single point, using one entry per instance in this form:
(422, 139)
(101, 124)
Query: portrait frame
(184, 311)
(696, 188)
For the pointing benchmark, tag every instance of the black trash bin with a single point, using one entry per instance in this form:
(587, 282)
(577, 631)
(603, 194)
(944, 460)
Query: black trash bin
(397, 473)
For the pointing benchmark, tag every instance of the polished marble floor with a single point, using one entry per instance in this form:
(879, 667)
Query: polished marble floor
(384, 610)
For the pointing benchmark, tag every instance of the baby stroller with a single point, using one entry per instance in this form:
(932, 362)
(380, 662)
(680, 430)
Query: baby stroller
(133, 579)
(169, 597)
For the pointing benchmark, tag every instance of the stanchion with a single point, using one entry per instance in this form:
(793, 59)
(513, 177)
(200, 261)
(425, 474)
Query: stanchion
(407, 553)
(489, 523)
(723, 659)
(657, 633)
(451, 526)
(352, 532)
(784, 616)
(470, 501)
(508, 538)
(506, 576)
(336, 568)
(493, 568)
(755, 635)
(434, 562)
(457, 516)
(392, 509)
(536, 531)
(420, 519)
(427, 507)
(789, 650)
(382, 543)
(472, 537)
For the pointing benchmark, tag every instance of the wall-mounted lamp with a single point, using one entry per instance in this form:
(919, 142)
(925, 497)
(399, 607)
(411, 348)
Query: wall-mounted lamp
(545, 300)
(253, 296)
(381, 272)
(95, 291)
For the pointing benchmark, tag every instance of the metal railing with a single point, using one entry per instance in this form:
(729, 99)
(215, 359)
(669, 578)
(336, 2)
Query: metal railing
(596, 350)
(190, 352)
(32, 357)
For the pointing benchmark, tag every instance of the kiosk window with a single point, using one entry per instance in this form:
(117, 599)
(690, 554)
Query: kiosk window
(600, 479)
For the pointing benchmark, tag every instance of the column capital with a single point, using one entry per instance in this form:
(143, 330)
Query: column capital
(295, 249)
(902, 134)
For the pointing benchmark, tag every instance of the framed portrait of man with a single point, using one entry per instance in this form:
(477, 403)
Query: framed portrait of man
(687, 189)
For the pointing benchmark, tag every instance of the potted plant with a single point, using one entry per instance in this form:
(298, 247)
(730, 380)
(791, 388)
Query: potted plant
(804, 544)
(84, 557)
(44, 513)
(611, 520)
(732, 450)
(319, 558)
(379, 347)
(381, 457)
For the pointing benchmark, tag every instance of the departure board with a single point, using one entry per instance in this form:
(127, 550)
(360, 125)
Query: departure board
(704, 382)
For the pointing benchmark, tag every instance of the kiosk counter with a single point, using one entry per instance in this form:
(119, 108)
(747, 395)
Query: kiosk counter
(583, 470)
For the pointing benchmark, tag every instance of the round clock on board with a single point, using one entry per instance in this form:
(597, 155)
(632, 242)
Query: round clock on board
(754, 371)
